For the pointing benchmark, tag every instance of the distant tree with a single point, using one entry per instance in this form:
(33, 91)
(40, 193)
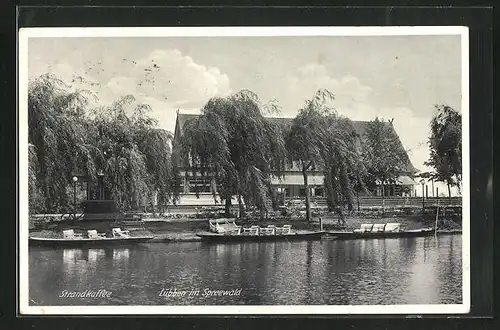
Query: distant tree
(445, 144)
(383, 154)
(233, 142)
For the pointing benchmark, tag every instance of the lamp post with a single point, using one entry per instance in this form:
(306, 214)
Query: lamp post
(75, 180)
(423, 196)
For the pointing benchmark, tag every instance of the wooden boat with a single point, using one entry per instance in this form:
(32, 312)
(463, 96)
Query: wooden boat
(72, 239)
(295, 236)
(389, 230)
(226, 230)
(108, 241)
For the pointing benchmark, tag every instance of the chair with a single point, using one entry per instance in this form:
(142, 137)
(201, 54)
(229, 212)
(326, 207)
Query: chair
(272, 229)
(254, 230)
(247, 231)
(94, 234)
(233, 226)
(117, 232)
(213, 225)
(285, 230)
(392, 227)
(266, 231)
(70, 234)
(378, 228)
(219, 229)
(365, 228)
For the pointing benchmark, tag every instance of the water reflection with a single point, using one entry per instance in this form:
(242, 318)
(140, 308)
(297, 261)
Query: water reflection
(120, 255)
(94, 255)
(391, 271)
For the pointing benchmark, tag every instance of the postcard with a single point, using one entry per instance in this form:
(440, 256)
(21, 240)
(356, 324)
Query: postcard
(244, 170)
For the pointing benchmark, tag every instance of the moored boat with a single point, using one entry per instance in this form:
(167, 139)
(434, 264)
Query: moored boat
(226, 230)
(295, 236)
(72, 239)
(389, 230)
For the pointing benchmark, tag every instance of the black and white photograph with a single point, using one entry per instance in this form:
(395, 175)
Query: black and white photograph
(244, 170)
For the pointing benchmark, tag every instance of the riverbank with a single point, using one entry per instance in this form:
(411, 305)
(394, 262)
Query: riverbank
(185, 230)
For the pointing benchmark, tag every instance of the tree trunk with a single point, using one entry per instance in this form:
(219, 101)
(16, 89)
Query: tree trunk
(449, 192)
(241, 207)
(227, 207)
(357, 200)
(308, 201)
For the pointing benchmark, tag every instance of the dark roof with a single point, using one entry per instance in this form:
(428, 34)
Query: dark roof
(359, 126)
(183, 117)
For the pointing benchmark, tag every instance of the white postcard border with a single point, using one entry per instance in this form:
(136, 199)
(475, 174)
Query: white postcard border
(23, 225)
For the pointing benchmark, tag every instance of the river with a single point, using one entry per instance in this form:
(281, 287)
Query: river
(425, 270)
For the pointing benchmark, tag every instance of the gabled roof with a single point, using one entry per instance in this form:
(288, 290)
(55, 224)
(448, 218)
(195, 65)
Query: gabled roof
(359, 126)
(182, 118)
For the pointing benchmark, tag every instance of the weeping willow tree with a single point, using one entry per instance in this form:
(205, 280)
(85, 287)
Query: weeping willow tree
(237, 146)
(57, 133)
(36, 201)
(445, 145)
(319, 139)
(306, 138)
(343, 167)
(68, 138)
(135, 156)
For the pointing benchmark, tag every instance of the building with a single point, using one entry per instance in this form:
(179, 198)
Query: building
(291, 185)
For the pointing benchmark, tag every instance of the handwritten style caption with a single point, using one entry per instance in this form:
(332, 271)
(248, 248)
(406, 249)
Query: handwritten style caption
(174, 293)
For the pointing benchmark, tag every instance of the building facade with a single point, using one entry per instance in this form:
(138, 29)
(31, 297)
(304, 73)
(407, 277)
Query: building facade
(291, 184)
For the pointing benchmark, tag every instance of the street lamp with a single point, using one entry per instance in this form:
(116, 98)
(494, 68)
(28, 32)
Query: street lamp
(75, 180)
(423, 196)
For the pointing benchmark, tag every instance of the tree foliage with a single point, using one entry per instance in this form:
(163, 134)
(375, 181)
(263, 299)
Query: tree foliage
(320, 139)
(383, 154)
(345, 173)
(445, 144)
(67, 138)
(237, 145)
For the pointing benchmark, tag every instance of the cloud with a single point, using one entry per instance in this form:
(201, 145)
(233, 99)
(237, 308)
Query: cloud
(353, 99)
(306, 80)
(165, 79)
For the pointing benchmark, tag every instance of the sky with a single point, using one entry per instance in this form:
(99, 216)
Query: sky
(392, 77)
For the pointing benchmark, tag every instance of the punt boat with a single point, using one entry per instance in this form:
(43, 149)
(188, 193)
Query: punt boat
(388, 230)
(72, 239)
(226, 230)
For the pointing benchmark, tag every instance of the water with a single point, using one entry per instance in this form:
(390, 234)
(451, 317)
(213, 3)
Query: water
(425, 270)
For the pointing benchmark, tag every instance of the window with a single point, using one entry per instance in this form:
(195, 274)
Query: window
(302, 192)
(200, 184)
(318, 192)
